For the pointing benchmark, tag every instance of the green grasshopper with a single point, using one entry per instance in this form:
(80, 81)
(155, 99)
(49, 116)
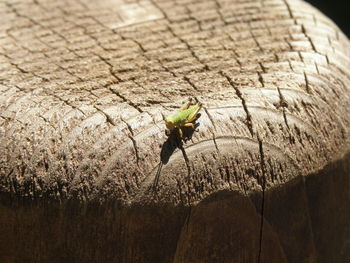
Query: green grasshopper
(185, 117)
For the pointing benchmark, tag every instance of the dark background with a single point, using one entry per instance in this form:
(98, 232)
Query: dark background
(337, 10)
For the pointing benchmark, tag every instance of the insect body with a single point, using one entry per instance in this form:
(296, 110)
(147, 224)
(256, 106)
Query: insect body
(185, 117)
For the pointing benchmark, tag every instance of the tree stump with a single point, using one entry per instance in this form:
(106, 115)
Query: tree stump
(85, 86)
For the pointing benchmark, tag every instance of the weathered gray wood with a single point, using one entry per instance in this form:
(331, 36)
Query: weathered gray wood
(84, 90)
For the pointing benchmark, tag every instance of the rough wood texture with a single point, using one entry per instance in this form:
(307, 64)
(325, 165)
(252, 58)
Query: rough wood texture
(84, 90)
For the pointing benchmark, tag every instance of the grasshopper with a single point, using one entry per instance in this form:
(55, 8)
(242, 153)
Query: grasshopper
(185, 117)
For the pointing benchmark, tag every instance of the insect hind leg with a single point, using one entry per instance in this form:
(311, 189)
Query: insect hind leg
(193, 116)
(187, 104)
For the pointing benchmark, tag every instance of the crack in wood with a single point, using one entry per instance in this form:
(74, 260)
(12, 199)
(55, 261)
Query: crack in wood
(263, 184)
(249, 122)
(131, 137)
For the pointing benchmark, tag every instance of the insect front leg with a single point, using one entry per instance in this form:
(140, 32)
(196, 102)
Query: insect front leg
(181, 133)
